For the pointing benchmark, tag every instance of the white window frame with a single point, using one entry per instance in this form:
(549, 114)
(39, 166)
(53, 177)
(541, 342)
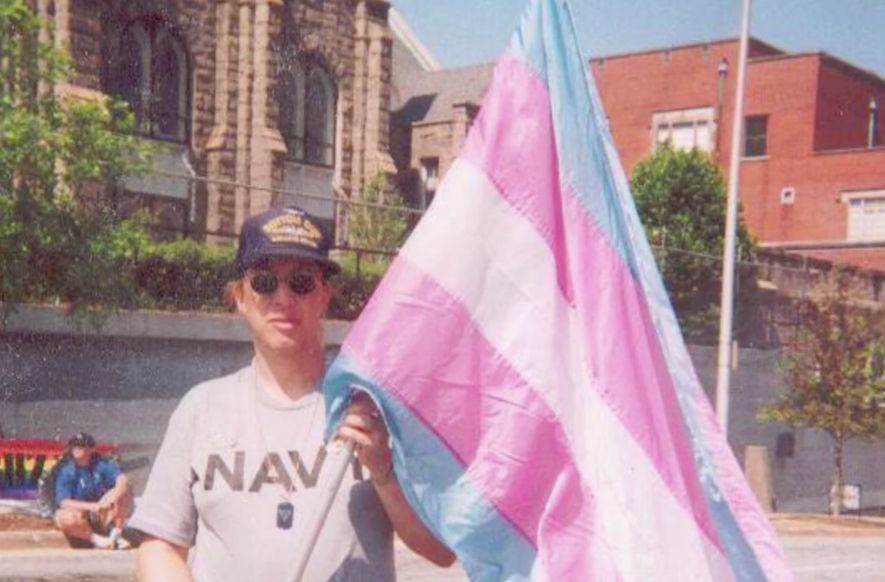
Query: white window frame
(698, 119)
(865, 215)
(429, 180)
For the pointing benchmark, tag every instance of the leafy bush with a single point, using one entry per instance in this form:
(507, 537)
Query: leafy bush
(355, 285)
(681, 198)
(183, 275)
(55, 156)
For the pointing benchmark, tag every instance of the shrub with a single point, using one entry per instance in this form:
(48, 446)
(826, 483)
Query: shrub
(183, 275)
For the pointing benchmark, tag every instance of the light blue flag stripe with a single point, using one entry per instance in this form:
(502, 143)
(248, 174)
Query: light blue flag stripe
(434, 484)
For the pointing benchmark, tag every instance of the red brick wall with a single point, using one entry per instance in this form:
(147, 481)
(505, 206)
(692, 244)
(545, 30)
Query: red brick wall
(843, 106)
(802, 95)
(635, 86)
(817, 213)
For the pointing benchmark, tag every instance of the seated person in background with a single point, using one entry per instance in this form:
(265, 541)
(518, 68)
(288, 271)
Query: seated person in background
(91, 494)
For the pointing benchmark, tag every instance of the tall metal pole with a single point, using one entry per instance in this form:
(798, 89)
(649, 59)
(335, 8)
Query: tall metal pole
(339, 460)
(723, 375)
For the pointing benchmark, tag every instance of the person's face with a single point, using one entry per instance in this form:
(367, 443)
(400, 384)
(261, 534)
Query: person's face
(81, 454)
(284, 319)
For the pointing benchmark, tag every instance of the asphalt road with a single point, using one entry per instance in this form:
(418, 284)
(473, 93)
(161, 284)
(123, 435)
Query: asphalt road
(814, 559)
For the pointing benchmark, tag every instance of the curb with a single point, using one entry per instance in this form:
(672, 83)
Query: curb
(22, 540)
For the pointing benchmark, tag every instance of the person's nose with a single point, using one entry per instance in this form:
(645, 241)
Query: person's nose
(284, 295)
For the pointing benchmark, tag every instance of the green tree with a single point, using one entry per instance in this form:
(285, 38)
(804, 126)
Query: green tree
(680, 196)
(836, 375)
(374, 227)
(57, 158)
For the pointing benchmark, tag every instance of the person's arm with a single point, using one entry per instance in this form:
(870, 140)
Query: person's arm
(120, 488)
(79, 505)
(165, 513)
(363, 425)
(161, 561)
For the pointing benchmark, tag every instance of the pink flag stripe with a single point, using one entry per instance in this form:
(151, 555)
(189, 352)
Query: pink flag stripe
(526, 457)
(632, 367)
(481, 227)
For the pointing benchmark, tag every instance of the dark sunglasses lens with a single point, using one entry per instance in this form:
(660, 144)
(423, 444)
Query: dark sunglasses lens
(264, 283)
(302, 283)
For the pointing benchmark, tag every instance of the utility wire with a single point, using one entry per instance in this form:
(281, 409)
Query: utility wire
(340, 199)
(336, 198)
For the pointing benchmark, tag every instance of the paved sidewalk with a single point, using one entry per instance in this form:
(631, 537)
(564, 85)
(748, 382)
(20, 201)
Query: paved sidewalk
(819, 548)
(63, 564)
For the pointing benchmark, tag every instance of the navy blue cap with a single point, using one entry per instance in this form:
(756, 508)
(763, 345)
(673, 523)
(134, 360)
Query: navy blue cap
(81, 439)
(284, 232)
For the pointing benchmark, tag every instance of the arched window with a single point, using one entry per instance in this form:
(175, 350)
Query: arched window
(147, 67)
(306, 97)
(319, 112)
(292, 83)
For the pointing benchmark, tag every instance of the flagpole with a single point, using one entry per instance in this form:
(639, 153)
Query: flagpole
(726, 312)
(339, 461)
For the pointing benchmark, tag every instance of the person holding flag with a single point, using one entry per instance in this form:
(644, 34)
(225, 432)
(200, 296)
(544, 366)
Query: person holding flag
(242, 463)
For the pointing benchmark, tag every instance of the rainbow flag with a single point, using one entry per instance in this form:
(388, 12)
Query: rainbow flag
(547, 422)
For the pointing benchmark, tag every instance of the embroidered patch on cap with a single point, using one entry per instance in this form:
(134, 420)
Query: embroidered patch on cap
(293, 227)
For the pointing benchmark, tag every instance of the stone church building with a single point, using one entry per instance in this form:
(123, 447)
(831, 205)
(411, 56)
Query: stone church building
(251, 103)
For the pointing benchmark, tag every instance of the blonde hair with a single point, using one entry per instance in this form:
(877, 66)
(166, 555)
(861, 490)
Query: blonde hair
(233, 292)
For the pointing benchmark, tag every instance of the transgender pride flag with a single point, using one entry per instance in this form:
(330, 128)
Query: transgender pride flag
(546, 418)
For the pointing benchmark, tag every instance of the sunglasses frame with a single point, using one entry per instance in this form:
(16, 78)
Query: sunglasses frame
(301, 282)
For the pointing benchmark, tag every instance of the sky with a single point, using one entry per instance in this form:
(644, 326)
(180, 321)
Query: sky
(464, 32)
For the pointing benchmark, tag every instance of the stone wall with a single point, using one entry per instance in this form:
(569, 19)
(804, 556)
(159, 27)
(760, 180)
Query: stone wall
(233, 50)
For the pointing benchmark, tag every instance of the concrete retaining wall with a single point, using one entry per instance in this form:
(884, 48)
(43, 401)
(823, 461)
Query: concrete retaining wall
(800, 481)
(122, 380)
(119, 381)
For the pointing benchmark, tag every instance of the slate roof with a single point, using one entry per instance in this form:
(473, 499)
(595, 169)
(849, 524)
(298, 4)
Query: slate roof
(429, 96)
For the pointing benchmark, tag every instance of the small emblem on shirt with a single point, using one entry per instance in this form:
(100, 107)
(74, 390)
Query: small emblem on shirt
(285, 515)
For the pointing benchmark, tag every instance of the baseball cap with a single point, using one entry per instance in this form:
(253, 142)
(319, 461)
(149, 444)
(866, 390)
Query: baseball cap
(81, 439)
(284, 232)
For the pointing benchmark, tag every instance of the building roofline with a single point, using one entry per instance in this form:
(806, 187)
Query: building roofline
(685, 46)
(404, 32)
(825, 57)
(842, 63)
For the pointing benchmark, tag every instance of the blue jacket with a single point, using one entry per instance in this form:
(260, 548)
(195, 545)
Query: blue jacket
(85, 483)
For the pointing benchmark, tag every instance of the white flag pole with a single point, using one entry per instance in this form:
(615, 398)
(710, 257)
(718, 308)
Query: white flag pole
(340, 457)
(728, 264)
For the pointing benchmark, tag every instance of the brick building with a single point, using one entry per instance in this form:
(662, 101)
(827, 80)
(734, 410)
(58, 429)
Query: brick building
(265, 101)
(813, 165)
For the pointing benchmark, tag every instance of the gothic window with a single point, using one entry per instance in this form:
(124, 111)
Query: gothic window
(292, 84)
(306, 97)
(147, 67)
(319, 112)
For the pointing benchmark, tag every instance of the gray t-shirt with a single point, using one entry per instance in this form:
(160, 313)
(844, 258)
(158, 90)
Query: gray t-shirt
(239, 470)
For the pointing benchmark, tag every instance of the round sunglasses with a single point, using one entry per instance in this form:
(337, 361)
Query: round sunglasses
(299, 282)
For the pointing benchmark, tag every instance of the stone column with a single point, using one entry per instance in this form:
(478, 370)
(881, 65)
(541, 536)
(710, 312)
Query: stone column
(61, 20)
(220, 155)
(372, 66)
(244, 111)
(267, 143)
